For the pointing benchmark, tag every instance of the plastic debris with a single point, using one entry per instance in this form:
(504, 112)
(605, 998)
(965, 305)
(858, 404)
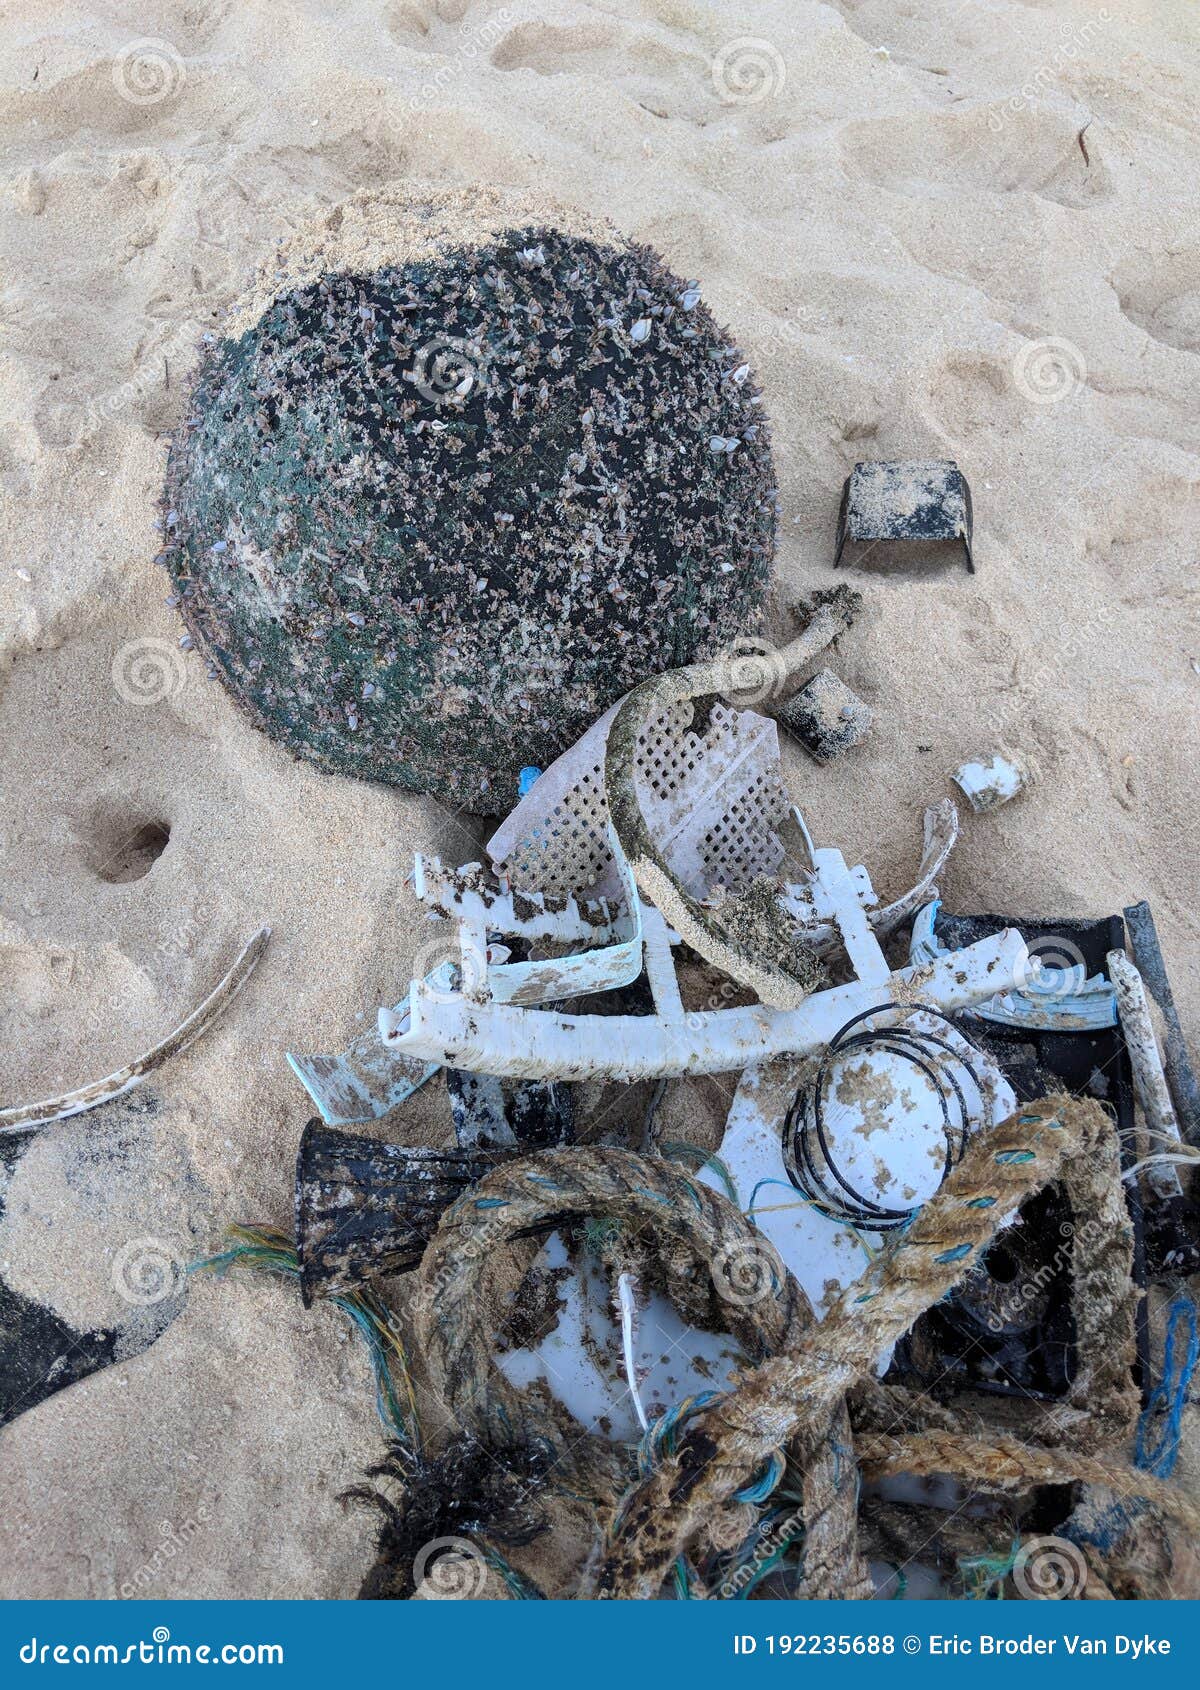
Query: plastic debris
(528, 1043)
(679, 829)
(827, 716)
(41, 1351)
(906, 500)
(499, 411)
(988, 782)
(365, 1208)
(113, 1085)
(493, 1114)
(869, 1176)
(1169, 1213)
(368, 1080)
(1181, 1078)
(1058, 994)
(830, 1154)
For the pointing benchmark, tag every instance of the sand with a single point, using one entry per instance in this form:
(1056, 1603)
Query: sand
(969, 232)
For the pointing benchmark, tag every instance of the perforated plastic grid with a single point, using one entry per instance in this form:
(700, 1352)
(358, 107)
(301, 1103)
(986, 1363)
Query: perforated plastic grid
(713, 800)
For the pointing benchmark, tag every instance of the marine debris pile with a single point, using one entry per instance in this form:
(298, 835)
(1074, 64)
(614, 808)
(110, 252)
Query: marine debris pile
(897, 1325)
(907, 1313)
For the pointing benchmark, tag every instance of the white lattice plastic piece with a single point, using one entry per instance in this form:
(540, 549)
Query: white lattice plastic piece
(713, 800)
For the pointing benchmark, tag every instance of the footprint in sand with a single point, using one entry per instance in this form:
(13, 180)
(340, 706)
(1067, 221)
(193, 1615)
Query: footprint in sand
(1161, 294)
(939, 155)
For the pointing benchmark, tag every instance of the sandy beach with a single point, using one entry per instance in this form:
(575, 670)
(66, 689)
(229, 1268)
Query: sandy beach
(950, 231)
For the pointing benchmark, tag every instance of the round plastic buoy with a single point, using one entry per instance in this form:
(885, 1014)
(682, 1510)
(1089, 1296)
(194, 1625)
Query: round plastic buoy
(458, 477)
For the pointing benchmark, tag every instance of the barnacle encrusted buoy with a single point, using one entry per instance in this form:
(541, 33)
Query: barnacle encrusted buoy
(457, 476)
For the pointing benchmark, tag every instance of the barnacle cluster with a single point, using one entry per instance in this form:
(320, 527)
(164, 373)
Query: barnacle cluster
(428, 520)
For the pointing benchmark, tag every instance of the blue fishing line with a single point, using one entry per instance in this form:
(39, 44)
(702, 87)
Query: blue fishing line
(1159, 1428)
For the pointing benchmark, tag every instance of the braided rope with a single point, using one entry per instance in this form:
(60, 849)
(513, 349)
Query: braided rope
(1006, 1463)
(724, 1447)
(791, 1397)
(456, 1331)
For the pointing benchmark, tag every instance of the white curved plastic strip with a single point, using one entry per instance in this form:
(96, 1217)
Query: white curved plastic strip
(545, 1044)
(113, 1085)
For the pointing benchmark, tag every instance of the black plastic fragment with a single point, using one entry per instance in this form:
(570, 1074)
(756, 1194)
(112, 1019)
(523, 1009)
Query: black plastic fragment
(40, 1353)
(365, 1208)
(906, 499)
(490, 1113)
(955, 1346)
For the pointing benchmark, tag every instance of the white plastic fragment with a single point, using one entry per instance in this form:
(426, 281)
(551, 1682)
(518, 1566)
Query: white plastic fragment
(627, 1304)
(1062, 999)
(1149, 1078)
(368, 1080)
(547, 1044)
(986, 783)
(582, 1363)
(24, 1116)
(885, 1132)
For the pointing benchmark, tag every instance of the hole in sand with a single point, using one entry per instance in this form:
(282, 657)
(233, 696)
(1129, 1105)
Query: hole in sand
(126, 848)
